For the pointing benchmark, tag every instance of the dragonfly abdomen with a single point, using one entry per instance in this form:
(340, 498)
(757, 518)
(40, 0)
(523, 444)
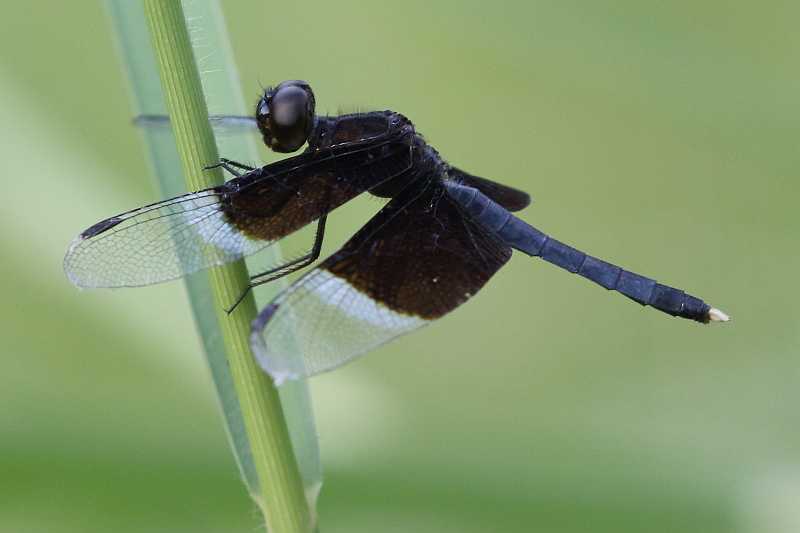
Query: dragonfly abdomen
(522, 236)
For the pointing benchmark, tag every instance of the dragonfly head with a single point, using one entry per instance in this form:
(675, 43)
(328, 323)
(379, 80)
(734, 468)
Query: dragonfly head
(285, 115)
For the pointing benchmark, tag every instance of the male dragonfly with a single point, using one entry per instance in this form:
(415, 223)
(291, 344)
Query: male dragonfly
(437, 241)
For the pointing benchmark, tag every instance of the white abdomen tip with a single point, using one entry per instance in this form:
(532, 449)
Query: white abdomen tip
(715, 315)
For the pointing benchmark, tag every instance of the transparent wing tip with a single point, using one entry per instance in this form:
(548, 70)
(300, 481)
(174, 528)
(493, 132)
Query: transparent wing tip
(715, 315)
(71, 269)
(279, 377)
(274, 366)
(82, 271)
(281, 367)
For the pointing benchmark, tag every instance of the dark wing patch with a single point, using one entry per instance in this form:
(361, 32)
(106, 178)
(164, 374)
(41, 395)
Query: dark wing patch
(509, 197)
(278, 199)
(416, 260)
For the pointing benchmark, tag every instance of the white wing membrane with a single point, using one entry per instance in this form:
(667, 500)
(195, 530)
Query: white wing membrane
(320, 323)
(156, 243)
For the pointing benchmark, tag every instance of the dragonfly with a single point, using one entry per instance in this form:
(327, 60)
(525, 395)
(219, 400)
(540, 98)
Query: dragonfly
(440, 238)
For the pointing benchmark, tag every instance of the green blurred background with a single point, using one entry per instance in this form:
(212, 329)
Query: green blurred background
(658, 135)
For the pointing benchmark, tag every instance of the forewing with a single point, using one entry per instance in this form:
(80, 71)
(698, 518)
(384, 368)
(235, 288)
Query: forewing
(170, 239)
(158, 242)
(415, 261)
(222, 124)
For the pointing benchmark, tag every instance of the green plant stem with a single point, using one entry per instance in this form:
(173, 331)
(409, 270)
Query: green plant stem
(284, 504)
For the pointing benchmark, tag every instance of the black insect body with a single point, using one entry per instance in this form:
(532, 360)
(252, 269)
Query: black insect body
(440, 238)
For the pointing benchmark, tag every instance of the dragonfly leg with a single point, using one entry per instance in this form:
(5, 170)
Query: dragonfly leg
(287, 268)
(236, 164)
(230, 166)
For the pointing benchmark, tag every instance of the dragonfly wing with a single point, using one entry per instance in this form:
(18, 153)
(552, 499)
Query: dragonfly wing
(170, 239)
(224, 124)
(509, 197)
(158, 242)
(416, 260)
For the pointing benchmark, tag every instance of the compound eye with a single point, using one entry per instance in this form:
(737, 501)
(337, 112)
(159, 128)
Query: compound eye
(264, 118)
(285, 116)
(262, 110)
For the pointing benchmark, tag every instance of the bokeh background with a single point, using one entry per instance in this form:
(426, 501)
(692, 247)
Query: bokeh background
(659, 135)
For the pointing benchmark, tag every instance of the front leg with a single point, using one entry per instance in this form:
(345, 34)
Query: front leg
(230, 166)
(287, 268)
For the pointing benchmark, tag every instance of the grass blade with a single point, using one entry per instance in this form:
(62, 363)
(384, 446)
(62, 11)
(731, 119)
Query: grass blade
(250, 402)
